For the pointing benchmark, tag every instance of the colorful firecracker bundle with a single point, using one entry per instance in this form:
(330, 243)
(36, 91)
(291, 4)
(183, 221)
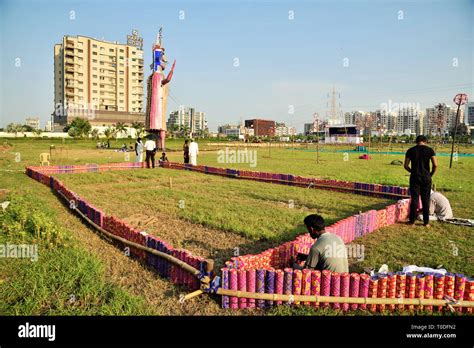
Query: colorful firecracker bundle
(289, 281)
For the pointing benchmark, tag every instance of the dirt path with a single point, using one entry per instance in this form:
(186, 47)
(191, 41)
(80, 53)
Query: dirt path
(201, 240)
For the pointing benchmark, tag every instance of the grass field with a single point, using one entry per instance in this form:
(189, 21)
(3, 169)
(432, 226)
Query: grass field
(83, 274)
(242, 214)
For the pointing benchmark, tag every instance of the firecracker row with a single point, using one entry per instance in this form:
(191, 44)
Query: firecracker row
(375, 190)
(290, 281)
(119, 228)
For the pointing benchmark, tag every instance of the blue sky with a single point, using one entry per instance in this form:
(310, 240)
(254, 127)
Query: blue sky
(283, 63)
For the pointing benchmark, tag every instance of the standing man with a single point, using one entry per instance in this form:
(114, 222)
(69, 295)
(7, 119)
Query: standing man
(186, 151)
(328, 252)
(139, 150)
(150, 147)
(420, 157)
(193, 152)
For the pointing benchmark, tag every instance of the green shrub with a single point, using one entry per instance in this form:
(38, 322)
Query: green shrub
(23, 221)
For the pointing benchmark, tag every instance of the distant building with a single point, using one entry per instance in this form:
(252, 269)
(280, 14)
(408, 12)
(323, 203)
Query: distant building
(261, 127)
(282, 130)
(194, 121)
(469, 114)
(98, 80)
(407, 120)
(342, 134)
(49, 126)
(308, 129)
(440, 119)
(33, 122)
(352, 116)
(231, 130)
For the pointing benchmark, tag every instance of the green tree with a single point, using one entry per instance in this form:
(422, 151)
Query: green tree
(26, 128)
(14, 128)
(37, 132)
(95, 134)
(78, 128)
(121, 127)
(109, 134)
(139, 128)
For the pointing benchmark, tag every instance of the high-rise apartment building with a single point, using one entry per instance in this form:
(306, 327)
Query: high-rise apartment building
(441, 118)
(98, 80)
(194, 121)
(407, 120)
(469, 114)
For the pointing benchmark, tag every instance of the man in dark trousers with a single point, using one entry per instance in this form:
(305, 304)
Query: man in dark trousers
(150, 148)
(420, 157)
(186, 151)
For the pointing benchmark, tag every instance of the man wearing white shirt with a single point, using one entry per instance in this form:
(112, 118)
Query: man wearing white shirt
(150, 148)
(193, 153)
(139, 150)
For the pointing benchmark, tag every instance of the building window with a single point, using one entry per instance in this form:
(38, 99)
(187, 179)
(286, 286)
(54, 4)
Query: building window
(94, 60)
(94, 53)
(94, 46)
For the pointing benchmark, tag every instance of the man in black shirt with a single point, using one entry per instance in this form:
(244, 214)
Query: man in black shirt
(420, 157)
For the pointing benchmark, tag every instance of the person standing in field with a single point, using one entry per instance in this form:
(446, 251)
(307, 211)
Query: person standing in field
(193, 152)
(139, 150)
(419, 157)
(186, 151)
(150, 147)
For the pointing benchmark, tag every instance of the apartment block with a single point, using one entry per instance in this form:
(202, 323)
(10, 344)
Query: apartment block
(98, 80)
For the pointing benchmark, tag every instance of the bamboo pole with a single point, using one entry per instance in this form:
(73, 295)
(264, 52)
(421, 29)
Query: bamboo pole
(193, 294)
(338, 299)
(163, 255)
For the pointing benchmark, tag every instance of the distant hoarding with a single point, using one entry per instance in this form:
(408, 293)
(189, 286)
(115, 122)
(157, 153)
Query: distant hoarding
(135, 40)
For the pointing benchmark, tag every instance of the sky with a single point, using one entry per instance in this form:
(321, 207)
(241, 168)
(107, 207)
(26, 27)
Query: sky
(244, 59)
